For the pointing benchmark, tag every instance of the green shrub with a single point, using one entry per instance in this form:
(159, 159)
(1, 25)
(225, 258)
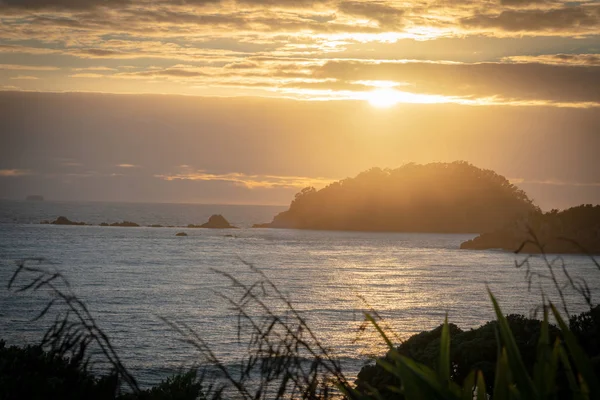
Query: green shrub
(32, 373)
(185, 386)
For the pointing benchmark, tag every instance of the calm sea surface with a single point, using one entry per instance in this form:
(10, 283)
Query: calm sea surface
(129, 277)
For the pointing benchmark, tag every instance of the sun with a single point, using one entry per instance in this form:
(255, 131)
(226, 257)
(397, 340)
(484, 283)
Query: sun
(383, 98)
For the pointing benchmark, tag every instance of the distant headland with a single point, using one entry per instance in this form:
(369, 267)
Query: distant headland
(439, 197)
(575, 230)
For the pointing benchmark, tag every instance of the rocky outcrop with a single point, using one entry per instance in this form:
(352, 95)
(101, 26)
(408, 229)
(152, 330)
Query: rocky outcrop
(65, 221)
(216, 221)
(125, 224)
(576, 230)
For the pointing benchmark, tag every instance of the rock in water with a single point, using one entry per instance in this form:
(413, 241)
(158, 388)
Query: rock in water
(126, 224)
(65, 221)
(181, 234)
(217, 221)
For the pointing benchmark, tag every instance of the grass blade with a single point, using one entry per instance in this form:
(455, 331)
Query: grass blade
(444, 365)
(581, 360)
(468, 386)
(481, 394)
(515, 362)
(502, 380)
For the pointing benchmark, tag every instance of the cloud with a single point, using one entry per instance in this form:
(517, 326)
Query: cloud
(515, 81)
(558, 59)
(553, 20)
(242, 65)
(12, 48)
(386, 15)
(60, 4)
(25, 78)
(553, 182)
(273, 47)
(100, 53)
(127, 166)
(9, 173)
(285, 3)
(18, 67)
(87, 75)
(523, 3)
(99, 68)
(247, 180)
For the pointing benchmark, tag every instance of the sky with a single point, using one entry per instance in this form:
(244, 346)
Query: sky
(249, 101)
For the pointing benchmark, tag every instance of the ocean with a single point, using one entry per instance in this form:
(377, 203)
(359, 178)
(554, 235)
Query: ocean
(131, 277)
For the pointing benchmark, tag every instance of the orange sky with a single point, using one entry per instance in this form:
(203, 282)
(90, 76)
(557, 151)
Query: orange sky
(512, 85)
(519, 52)
(262, 151)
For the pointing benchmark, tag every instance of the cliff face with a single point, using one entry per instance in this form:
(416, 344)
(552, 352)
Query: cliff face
(576, 230)
(439, 197)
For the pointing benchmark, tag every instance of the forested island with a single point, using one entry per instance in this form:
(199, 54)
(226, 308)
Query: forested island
(452, 197)
(438, 197)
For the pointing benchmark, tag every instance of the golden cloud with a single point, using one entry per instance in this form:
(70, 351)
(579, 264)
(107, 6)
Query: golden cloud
(14, 172)
(248, 181)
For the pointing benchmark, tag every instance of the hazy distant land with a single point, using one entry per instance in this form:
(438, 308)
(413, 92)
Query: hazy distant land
(576, 230)
(433, 198)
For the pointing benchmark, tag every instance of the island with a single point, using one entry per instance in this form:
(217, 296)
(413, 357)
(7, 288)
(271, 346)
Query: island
(452, 197)
(64, 221)
(216, 221)
(575, 230)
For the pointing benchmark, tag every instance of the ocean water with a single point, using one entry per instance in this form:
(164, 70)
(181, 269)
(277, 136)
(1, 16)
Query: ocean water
(131, 277)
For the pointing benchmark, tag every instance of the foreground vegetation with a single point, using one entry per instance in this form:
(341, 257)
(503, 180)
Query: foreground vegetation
(558, 363)
(512, 357)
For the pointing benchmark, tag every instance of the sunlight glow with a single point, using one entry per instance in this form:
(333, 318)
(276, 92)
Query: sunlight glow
(387, 97)
(383, 98)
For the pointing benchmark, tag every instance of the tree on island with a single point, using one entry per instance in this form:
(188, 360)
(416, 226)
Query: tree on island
(437, 197)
